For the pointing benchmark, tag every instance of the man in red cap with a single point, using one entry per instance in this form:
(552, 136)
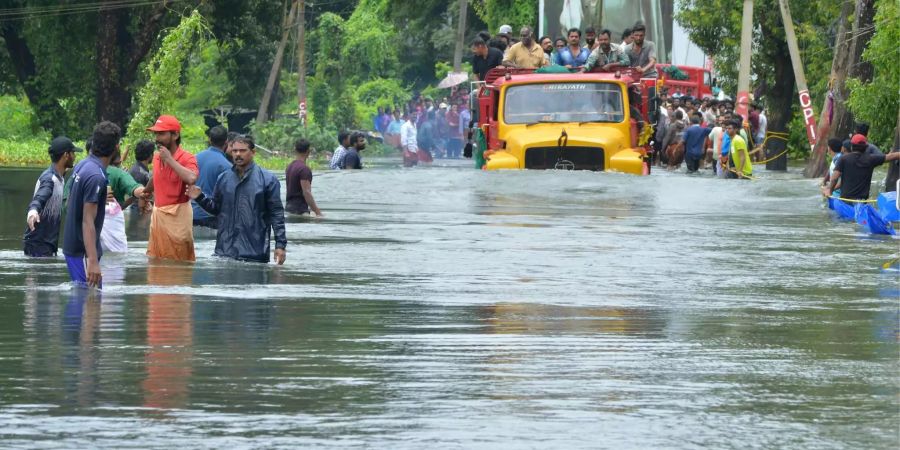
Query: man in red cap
(171, 226)
(854, 170)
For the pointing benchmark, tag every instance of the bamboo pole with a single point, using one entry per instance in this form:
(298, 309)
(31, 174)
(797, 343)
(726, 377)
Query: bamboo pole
(301, 62)
(743, 95)
(262, 113)
(460, 36)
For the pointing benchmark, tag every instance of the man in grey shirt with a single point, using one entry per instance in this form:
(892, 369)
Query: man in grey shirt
(641, 53)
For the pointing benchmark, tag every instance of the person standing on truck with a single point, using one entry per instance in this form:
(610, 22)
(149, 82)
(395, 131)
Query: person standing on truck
(525, 54)
(626, 38)
(574, 55)
(590, 38)
(642, 53)
(607, 56)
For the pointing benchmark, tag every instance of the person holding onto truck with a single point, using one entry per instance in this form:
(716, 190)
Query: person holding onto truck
(607, 56)
(525, 54)
(642, 53)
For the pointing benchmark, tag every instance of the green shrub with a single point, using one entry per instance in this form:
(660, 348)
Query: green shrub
(17, 118)
(279, 135)
(30, 151)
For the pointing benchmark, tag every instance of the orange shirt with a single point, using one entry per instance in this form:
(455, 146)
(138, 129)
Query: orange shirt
(167, 185)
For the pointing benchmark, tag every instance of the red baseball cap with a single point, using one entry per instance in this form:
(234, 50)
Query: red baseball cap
(858, 139)
(166, 123)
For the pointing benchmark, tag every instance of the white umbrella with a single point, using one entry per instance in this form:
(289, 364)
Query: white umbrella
(453, 79)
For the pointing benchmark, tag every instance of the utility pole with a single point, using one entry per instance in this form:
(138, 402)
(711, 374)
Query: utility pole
(262, 115)
(809, 117)
(301, 63)
(743, 94)
(817, 166)
(460, 36)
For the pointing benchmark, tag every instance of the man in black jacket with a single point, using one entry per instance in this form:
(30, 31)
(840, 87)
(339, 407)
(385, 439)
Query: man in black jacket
(43, 219)
(247, 202)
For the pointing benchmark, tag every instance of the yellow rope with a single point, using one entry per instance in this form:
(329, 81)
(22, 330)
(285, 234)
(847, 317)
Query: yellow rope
(740, 175)
(850, 200)
(775, 135)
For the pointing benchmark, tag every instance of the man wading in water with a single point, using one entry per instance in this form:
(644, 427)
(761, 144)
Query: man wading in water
(85, 210)
(44, 211)
(247, 202)
(854, 170)
(171, 226)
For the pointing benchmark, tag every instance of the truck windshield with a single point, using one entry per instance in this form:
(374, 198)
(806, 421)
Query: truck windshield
(563, 102)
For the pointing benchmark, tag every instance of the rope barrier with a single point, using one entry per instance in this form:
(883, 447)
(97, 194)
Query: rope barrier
(850, 200)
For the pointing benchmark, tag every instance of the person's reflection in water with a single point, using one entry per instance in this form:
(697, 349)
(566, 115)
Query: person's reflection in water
(246, 320)
(169, 337)
(80, 326)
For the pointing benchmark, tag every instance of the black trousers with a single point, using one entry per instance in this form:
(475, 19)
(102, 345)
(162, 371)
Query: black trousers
(692, 164)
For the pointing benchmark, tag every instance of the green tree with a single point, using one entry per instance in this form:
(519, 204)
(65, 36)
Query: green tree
(715, 26)
(164, 73)
(877, 101)
(516, 13)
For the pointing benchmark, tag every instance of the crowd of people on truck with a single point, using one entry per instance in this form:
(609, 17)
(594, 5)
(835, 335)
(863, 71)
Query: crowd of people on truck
(570, 52)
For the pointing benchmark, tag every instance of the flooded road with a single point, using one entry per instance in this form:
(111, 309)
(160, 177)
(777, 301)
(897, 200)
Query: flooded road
(456, 308)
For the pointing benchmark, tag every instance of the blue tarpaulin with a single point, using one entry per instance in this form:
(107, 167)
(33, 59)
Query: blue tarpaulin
(864, 214)
(871, 221)
(843, 210)
(887, 206)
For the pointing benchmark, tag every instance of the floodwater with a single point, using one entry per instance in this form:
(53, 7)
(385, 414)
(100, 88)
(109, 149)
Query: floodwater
(456, 308)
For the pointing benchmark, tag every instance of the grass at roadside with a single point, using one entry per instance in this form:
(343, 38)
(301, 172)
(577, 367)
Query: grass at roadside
(32, 152)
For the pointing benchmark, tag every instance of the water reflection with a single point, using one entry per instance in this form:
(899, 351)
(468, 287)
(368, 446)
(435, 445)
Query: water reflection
(80, 337)
(455, 308)
(168, 361)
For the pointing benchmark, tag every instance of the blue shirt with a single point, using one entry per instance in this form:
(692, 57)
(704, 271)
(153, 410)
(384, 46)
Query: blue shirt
(89, 186)
(211, 163)
(694, 137)
(564, 57)
(726, 144)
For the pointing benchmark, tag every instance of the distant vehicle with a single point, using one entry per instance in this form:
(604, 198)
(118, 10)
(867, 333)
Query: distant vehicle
(698, 84)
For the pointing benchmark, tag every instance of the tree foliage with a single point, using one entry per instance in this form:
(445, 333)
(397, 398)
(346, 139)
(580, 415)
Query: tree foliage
(164, 73)
(715, 26)
(516, 13)
(876, 102)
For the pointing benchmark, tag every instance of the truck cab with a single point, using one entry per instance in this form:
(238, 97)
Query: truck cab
(569, 121)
